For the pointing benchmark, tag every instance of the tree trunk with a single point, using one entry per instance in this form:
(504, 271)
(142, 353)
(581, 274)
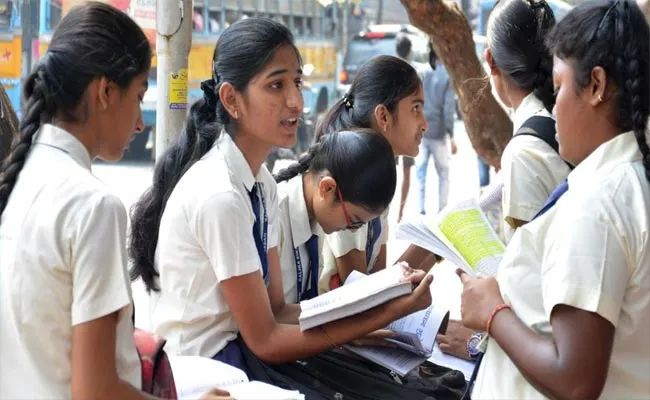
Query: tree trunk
(488, 126)
(8, 123)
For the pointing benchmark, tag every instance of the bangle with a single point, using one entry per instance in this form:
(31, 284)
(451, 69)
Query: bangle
(494, 312)
(322, 328)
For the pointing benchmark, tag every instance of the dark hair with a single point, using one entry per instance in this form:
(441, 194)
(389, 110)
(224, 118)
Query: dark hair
(8, 123)
(92, 40)
(433, 57)
(403, 45)
(382, 80)
(361, 161)
(516, 32)
(613, 35)
(241, 52)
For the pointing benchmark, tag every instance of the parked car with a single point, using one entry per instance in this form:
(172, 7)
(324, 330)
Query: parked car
(378, 40)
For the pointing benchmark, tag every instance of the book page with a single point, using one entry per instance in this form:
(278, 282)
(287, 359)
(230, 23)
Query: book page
(195, 376)
(397, 360)
(423, 325)
(468, 230)
(354, 292)
(452, 362)
(256, 390)
(416, 231)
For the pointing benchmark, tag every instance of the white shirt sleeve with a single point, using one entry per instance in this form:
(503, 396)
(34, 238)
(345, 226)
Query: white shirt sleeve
(531, 169)
(224, 229)
(343, 242)
(99, 261)
(586, 267)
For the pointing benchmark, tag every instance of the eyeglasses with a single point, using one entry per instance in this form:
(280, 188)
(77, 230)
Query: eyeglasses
(351, 225)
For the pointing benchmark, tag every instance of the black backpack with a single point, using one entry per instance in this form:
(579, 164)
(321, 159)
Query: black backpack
(336, 376)
(542, 128)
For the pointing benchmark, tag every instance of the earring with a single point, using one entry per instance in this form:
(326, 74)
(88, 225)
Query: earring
(236, 115)
(600, 98)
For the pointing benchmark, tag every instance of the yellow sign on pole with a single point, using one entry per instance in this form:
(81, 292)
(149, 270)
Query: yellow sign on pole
(178, 90)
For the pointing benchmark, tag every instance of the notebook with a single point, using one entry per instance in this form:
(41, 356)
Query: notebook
(195, 376)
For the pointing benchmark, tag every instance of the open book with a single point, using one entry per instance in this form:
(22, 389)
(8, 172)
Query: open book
(414, 341)
(354, 298)
(195, 376)
(462, 234)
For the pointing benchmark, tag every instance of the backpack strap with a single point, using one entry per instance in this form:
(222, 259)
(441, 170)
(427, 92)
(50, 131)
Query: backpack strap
(157, 375)
(542, 128)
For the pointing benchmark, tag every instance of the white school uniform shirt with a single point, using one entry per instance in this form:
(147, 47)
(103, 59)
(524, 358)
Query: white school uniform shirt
(295, 231)
(590, 251)
(206, 237)
(530, 168)
(340, 243)
(63, 263)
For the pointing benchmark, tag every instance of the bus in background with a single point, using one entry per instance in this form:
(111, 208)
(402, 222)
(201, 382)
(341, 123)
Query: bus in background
(559, 7)
(10, 50)
(306, 19)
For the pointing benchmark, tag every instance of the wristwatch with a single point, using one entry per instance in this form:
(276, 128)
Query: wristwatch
(472, 345)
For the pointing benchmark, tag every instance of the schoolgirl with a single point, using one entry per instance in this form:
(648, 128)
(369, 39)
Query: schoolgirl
(362, 167)
(574, 282)
(209, 226)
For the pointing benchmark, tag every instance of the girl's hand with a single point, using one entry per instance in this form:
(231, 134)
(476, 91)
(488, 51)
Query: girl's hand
(376, 338)
(216, 394)
(419, 299)
(480, 297)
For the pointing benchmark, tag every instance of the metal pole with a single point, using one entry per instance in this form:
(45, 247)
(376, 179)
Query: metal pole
(26, 44)
(346, 10)
(173, 43)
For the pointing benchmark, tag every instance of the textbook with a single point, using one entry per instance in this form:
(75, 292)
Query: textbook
(355, 298)
(460, 233)
(414, 340)
(195, 376)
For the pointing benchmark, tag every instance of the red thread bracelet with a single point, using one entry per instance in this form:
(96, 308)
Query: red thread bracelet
(494, 312)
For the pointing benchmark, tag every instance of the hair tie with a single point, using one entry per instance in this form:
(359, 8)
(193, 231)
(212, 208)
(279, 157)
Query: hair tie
(209, 91)
(535, 4)
(348, 101)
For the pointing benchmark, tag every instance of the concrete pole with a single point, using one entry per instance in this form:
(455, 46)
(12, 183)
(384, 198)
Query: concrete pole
(27, 27)
(173, 43)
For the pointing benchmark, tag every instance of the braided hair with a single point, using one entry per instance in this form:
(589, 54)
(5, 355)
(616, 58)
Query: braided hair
(612, 34)
(360, 161)
(92, 40)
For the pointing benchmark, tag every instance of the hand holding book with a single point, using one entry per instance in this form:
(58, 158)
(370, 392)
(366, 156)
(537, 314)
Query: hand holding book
(399, 288)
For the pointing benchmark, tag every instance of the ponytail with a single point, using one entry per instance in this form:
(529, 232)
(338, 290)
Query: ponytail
(369, 89)
(200, 132)
(543, 86)
(36, 113)
(516, 37)
(337, 118)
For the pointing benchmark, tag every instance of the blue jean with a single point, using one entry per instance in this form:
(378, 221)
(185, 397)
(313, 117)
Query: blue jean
(483, 172)
(440, 152)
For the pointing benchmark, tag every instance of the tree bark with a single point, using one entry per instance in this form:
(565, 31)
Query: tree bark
(488, 126)
(8, 123)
